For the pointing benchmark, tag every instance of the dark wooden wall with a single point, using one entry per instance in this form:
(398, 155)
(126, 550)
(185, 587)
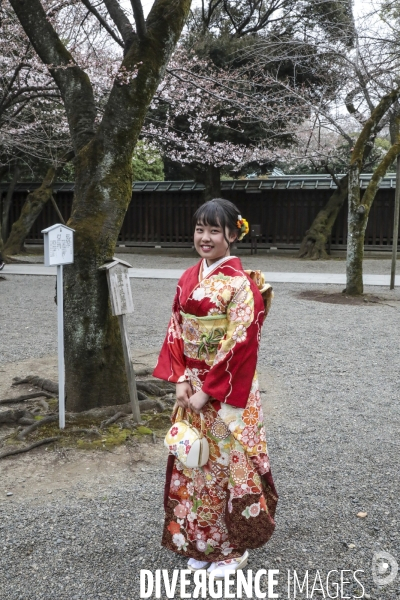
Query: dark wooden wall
(165, 218)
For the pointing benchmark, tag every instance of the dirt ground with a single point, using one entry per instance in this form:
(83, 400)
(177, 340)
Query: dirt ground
(38, 472)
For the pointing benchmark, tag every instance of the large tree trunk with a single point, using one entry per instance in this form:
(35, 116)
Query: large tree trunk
(210, 177)
(31, 209)
(316, 238)
(95, 369)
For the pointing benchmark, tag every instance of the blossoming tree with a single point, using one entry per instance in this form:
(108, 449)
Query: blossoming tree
(103, 143)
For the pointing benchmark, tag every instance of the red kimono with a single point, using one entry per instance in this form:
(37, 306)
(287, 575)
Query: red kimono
(218, 511)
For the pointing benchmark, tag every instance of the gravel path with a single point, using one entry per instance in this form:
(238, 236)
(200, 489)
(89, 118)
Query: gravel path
(153, 258)
(333, 440)
(263, 261)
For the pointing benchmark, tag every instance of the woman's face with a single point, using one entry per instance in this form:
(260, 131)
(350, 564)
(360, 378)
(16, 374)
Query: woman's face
(210, 242)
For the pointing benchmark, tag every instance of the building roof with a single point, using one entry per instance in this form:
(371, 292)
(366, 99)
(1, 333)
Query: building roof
(281, 182)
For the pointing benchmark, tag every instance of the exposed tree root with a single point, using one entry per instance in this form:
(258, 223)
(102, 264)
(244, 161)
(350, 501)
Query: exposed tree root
(93, 431)
(127, 425)
(25, 397)
(40, 382)
(36, 425)
(150, 388)
(10, 417)
(43, 404)
(26, 421)
(112, 419)
(27, 448)
(149, 404)
(143, 372)
(166, 386)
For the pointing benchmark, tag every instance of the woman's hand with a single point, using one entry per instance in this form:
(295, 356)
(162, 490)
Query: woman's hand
(198, 400)
(183, 393)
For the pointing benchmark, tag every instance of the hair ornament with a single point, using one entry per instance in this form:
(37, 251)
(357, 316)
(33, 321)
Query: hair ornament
(243, 226)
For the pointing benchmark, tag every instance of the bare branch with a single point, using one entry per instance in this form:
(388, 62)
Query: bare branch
(121, 21)
(332, 174)
(73, 83)
(102, 22)
(349, 102)
(381, 169)
(139, 18)
(385, 103)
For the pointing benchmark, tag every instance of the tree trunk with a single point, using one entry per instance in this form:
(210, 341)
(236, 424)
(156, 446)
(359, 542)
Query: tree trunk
(31, 209)
(357, 223)
(95, 368)
(210, 177)
(7, 203)
(315, 240)
(358, 213)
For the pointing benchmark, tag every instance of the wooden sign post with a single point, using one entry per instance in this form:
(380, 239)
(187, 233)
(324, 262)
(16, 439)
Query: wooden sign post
(59, 251)
(121, 304)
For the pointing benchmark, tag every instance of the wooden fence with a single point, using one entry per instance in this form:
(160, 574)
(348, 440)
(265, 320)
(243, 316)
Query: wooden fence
(160, 213)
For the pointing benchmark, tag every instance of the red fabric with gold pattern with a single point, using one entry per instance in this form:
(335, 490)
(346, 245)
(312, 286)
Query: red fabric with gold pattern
(217, 511)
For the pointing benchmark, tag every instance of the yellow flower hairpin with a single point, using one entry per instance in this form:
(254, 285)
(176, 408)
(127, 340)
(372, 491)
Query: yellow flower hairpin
(243, 225)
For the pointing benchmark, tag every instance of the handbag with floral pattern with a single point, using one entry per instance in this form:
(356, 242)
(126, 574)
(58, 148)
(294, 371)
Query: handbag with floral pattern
(186, 443)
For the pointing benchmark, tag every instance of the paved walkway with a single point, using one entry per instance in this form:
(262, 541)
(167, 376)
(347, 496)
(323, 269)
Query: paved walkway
(271, 277)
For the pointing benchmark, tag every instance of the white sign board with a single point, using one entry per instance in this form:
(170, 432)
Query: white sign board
(120, 292)
(58, 245)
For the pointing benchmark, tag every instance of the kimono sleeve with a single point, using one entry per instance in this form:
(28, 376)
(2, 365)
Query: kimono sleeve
(171, 362)
(230, 377)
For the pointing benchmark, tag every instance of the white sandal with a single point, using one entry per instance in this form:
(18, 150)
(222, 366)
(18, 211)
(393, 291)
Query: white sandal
(197, 565)
(222, 567)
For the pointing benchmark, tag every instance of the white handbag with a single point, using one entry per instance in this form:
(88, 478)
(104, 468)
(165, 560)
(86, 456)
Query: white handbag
(186, 443)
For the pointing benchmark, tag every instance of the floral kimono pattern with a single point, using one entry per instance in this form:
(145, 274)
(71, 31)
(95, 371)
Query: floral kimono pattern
(218, 511)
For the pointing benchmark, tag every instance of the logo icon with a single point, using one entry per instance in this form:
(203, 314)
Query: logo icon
(384, 568)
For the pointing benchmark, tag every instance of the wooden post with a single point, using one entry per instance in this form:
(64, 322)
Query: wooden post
(130, 372)
(121, 304)
(54, 203)
(255, 232)
(395, 226)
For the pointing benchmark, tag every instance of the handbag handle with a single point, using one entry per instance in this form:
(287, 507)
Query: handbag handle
(180, 417)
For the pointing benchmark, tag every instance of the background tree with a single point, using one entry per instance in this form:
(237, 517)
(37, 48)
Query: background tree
(359, 207)
(248, 121)
(103, 144)
(363, 75)
(203, 115)
(147, 163)
(35, 141)
(32, 128)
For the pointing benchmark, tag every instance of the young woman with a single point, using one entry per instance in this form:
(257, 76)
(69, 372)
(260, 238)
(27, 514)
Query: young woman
(215, 513)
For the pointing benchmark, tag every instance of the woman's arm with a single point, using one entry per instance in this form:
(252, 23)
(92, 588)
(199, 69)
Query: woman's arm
(171, 362)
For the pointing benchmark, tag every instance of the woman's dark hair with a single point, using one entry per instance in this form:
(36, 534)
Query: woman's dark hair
(218, 213)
